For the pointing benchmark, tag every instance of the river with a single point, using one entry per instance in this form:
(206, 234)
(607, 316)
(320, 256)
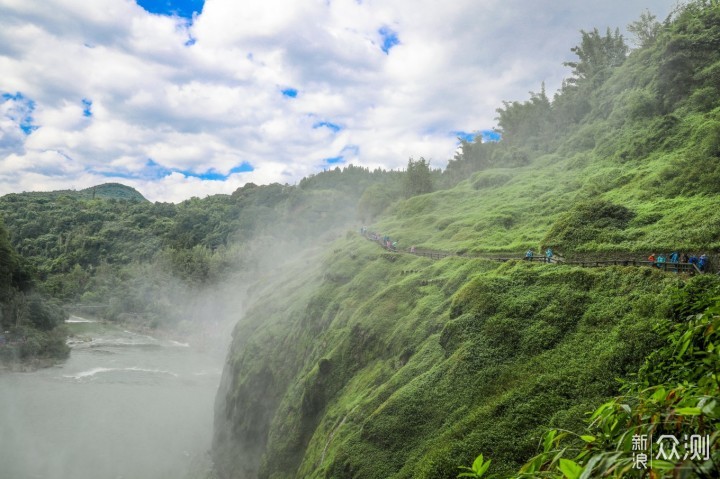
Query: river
(125, 405)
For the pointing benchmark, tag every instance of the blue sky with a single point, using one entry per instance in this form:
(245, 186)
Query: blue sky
(154, 172)
(191, 98)
(289, 92)
(485, 135)
(389, 39)
(180, 8)
(330, 126)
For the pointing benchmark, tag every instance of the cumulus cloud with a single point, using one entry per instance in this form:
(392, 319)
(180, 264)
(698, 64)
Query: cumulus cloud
(265, 91)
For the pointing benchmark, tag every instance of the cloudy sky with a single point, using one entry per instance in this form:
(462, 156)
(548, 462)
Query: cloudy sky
(182, 98)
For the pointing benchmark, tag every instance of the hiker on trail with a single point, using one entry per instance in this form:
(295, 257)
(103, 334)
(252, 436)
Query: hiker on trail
(394, 245)
(660, 260)
(548, 255)
(412, 249)
(675, 259)
(651, 258)
(693, 259)
(529, 255)
(702, 262)
(685, 258)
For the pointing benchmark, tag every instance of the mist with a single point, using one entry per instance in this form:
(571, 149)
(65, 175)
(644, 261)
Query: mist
(136, 398)
(128, 403)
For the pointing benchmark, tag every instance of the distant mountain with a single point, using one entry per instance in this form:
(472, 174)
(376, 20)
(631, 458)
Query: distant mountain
(107, 191)
(112, 191)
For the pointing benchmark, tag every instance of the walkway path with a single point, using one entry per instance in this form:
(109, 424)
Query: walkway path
(690, 268)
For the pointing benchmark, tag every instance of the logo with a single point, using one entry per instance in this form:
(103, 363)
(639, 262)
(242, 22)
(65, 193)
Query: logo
(669, 448)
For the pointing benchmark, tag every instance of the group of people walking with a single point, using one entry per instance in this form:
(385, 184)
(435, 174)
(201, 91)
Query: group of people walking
(530, 254)
(385, 241)
(702, 261)
(676, 258)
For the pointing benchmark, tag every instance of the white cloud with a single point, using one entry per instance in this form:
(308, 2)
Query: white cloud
(216, 104)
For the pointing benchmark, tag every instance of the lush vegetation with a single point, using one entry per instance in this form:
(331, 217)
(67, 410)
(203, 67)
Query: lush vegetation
(30, 324)
(357, 362)
(638, 131)
(107, 251)
(126, 258)
(372, 364)
(675, 394)
(410, 375)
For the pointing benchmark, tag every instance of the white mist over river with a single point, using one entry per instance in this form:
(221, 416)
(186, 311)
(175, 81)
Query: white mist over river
(124, 405)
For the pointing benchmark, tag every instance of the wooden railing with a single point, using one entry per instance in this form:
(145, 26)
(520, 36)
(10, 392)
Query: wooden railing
(534, 259)
(689, 268)
(432, 254)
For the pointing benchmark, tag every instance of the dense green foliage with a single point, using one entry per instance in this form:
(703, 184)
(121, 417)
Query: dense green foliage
(30, 324)
(418, 177)
(675, 393)
(109, 249)
(110, 191)
(409, 375)
(618, 133)
(373, 364)
(357, 362)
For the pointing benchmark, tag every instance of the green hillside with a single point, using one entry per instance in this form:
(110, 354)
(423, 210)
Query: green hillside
(108, 191)
(352, 361)
(424, 370)
(112, 191)
(636, 170)
(373, 364)
(135, 260)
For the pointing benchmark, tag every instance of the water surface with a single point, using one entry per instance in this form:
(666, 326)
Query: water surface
(124, 405)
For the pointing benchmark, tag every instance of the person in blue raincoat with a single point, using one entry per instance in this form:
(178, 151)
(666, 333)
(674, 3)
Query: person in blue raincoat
(702, 262)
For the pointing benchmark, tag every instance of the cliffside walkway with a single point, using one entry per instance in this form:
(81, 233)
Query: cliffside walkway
(688, 268)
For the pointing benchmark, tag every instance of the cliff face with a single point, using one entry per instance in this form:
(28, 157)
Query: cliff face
(268, 351)
(369, 364)
(378, 365)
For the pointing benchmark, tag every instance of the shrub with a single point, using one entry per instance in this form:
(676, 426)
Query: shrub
(588, 221)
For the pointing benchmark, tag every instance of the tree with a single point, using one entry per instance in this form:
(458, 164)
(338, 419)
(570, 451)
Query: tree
(597, 55)
(690, 60)
(645, 30)
(525, 120)
(418, 179)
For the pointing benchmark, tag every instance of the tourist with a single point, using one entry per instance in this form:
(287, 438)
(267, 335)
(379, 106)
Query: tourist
(548, 255)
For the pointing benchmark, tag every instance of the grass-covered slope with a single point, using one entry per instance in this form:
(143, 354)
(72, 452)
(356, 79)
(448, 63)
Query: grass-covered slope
(642, 134)
(367, 371)
(556, 200)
